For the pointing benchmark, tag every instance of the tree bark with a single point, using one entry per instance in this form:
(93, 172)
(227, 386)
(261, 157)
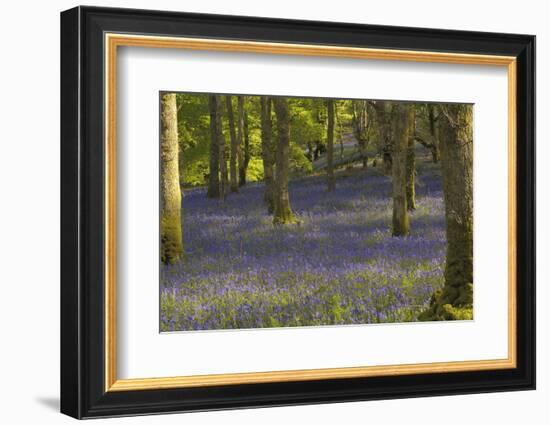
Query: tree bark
(310, 152)
(283, 212)
(317, 151)
(331, 184)
(457, 169)
(267, 152)
(360, 126)
(401, 128)
(338, 123)
(246, 160)
(214, 189)
(233, 137)
(384, 121)
(456, 299)
(411, 161)
(240, 138)
(170, 199)
(224, 180)
(434, 133)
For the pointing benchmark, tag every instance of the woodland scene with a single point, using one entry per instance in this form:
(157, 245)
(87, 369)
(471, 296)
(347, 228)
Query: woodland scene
(287, 211)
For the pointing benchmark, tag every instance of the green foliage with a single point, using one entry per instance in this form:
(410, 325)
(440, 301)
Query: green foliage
(193, 120)
(308, 128)
(194, 138)
(335, 308)
(255, 171)
(195, 165)
(299, 163)
(458, 313)
(345, 115)
(450, 303)
(307, 121)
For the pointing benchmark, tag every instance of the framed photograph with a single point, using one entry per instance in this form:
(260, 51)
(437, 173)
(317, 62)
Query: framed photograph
(261, 212)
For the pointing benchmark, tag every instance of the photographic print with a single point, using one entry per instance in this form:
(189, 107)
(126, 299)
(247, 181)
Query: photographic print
(322, 191)
(288, 211)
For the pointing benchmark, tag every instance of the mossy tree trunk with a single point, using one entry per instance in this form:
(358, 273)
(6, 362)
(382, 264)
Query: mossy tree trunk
(240, 139)
(170, 199)
(455, 300)
(267, 152)
(331, 184)
(233, 137)
(214, 186)
(283, 212)
(411, 161)
(400, 130)
(384, 115)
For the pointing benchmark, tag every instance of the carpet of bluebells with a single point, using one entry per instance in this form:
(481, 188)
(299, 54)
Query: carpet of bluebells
(340, 265)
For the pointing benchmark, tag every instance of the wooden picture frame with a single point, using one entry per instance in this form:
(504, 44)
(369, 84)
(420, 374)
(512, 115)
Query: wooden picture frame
(90, 38)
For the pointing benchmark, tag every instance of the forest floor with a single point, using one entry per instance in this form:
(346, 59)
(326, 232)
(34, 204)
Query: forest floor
(340, 265)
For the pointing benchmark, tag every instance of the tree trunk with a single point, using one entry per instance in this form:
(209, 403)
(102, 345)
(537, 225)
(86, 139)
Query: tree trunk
(401, 128)
(224, 183)
(310, 152)
(384, 121)
(435, 154)
(411, 161)
(317, 151)
(240, 138)
(267, 152)
(233, 154)
(170, 199)
(360, 127)
(331, 184)
(214, 172)
(283, 213)
(456, 299)
(434, 133)
(246, 149)
(338, 122)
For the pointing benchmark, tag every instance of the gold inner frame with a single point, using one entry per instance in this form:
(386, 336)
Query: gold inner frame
(113, 41)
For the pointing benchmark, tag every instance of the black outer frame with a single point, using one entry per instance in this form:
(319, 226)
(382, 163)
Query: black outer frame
(82, 207)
